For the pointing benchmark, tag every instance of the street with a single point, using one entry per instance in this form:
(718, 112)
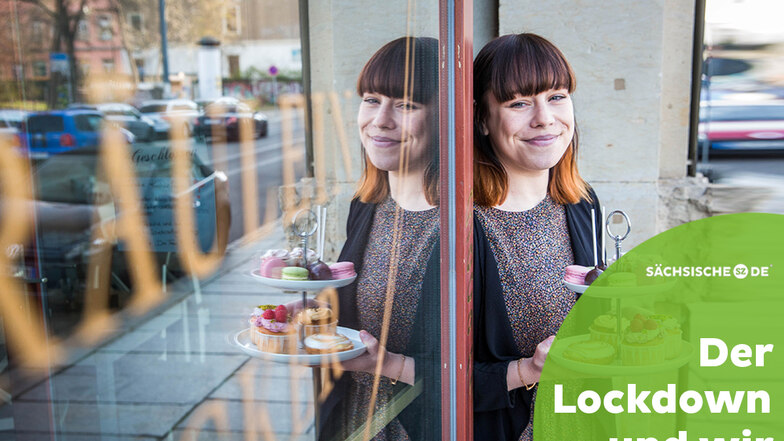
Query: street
(267, 167)
(760, 174)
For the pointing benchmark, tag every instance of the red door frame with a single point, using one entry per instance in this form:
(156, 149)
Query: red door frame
(456, 63)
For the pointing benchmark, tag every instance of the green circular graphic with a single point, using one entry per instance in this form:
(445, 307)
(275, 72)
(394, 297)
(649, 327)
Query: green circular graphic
(680, 339)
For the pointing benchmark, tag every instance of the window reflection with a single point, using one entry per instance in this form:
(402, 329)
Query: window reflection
(153, 197)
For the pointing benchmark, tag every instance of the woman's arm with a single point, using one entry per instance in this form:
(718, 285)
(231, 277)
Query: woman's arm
(526, 372)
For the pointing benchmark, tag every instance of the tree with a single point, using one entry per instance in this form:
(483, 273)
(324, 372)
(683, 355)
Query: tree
(65, 16)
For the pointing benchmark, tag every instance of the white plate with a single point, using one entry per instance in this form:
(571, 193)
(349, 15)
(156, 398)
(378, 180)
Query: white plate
(575, 287)
(242, 339)
(302, 285)
(615, 368)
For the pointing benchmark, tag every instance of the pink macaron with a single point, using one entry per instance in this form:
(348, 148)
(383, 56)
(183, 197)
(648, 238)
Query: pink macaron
(342, 270)
(271, 267)
(576, 274)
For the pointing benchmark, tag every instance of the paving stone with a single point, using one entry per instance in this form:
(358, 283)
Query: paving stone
(139, 378)
(281, 416)
(267, 389)
(81, 420)
(262, 368)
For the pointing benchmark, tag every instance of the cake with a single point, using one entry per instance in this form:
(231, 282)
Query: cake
(643, 344)
(605, 328)
(327, 343)
(671, 333)
(594, 352)
(317, 321)
(342, 270)
(272, 331)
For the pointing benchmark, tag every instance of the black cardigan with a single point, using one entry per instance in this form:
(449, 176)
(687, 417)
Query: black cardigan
(500, 414)
(422, 418)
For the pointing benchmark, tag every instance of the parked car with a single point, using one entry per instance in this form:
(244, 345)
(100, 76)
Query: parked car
(50, 133)
(144, 128)
(161, 111)
(222, 117)
(739, 125)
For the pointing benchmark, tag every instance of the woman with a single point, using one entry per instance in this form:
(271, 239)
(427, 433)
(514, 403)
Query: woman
(532, 219)
(392, 230)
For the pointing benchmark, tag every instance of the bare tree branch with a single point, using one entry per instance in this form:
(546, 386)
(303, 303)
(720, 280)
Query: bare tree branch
(42, 6)
(74, 20)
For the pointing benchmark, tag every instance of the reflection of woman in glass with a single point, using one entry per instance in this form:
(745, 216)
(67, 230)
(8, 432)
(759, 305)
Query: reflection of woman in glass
(532, 219)
(392, 235)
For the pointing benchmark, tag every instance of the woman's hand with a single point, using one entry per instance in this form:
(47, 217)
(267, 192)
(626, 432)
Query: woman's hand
(527, 371)
(395, 366)
(540, 356)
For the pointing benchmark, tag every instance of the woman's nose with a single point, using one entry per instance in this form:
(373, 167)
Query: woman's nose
(385, 117)
(543, 116)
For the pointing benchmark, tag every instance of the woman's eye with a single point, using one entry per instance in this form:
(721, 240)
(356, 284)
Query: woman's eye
(518, 105)
(408, 106)
(371, 100)
(557, 97)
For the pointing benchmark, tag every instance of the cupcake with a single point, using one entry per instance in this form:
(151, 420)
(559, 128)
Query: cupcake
(255, 320)
(317, 321)
(643, 344)
(671, 333)
(273, 331)
(605, 328)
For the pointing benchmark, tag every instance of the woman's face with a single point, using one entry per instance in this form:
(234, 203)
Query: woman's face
(386, 125)
(530, 133)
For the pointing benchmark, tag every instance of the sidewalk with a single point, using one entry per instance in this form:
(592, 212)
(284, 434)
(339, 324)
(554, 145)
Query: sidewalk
(154, 381)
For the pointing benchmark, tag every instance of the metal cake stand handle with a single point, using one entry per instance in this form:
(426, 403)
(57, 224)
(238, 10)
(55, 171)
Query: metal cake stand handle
(304, 225)
(617, 237)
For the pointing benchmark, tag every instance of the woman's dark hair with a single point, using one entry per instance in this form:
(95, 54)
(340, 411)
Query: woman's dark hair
(405, 68)
(524, 64)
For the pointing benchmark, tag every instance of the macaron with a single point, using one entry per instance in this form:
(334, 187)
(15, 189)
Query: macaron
(271, 267)
(342, 270)
(294, 273)
(576, 274)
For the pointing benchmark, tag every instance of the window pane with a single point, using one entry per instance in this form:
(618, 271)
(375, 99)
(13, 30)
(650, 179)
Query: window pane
(157, 244)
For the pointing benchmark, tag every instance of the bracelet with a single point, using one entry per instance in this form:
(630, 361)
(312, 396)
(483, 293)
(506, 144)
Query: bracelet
(403, 366)
(520, 375)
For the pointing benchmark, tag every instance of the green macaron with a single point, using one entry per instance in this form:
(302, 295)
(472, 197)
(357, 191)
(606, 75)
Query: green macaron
(294, 273)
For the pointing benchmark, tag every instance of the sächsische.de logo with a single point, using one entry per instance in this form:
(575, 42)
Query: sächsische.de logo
(739, 271)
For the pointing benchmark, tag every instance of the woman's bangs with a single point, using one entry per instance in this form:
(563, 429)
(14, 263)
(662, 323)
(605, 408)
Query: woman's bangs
(385, 73)
(530, 71)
